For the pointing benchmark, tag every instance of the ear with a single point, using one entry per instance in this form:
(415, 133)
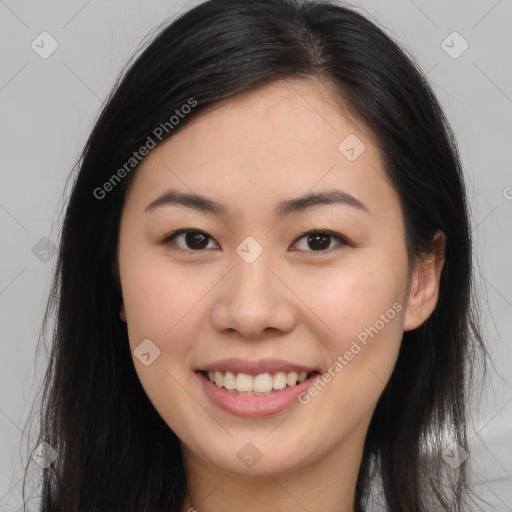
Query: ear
(424, 284)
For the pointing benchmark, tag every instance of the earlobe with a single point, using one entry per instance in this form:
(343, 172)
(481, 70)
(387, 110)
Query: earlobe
(424, 286)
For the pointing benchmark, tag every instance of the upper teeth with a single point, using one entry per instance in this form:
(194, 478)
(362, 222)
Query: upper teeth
(262, 383)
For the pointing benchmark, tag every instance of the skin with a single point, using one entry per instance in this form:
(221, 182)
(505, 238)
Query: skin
(249, 153)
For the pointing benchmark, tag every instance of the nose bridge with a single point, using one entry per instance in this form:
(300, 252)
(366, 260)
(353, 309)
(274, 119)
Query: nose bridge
(253, 299)
(254, 287)
(252, 275)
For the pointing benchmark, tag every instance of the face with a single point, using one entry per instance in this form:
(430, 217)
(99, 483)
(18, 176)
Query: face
(263, 247)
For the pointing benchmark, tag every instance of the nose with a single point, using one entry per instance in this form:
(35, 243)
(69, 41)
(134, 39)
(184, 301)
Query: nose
(253, 301)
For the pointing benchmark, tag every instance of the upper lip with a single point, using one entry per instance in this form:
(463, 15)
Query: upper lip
(236, 365)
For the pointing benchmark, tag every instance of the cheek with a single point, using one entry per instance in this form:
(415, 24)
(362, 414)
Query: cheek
(351, 298)
(360, 309)
(361, 303)
(162, 306)
(159, 302)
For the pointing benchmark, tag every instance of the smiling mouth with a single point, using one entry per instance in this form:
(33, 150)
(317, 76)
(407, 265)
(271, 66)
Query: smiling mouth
(256, 385)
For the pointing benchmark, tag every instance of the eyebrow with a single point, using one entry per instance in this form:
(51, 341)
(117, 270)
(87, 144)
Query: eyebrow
(311, 199)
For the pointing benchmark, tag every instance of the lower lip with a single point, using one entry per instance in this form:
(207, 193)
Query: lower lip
(254, 406)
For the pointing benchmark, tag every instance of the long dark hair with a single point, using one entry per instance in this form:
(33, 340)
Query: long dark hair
(115, 453)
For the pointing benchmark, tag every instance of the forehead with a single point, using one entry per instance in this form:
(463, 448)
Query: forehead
(282, 139)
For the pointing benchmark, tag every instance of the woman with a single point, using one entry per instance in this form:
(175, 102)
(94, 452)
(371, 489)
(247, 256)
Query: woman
(263, 293)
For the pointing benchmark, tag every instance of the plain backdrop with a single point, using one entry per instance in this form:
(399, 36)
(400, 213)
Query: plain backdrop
(48, 106)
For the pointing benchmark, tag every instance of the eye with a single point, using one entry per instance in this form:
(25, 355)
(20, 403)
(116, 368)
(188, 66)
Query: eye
(190, 239)
(319, 241)
(312, 241)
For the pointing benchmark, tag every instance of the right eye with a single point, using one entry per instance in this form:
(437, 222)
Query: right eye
(192, 240)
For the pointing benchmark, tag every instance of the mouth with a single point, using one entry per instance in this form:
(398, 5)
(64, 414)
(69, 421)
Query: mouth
(255, 389)
(263, 384)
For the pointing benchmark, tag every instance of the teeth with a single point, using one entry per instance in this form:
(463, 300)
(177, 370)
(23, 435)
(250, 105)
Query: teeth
(301, 376)
(229, 381)
(279, 380)
(261, 384)
(291, 379)
(243, 382)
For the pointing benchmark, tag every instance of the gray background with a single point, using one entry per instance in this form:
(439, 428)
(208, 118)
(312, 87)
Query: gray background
(48, 107)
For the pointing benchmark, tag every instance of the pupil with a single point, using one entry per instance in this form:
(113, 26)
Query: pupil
(322, 241)
(197, 240)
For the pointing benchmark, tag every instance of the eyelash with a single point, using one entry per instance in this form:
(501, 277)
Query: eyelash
(343, 241)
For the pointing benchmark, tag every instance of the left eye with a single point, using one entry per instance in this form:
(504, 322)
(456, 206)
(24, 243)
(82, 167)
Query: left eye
(319, 241)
